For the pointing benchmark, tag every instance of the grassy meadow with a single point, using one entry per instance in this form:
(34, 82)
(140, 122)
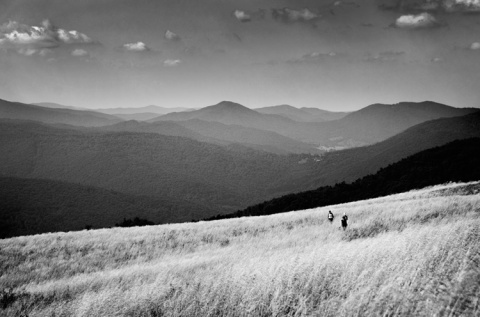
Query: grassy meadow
(411, 254)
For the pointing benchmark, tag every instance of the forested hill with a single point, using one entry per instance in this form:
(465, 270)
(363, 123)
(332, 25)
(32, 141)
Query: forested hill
(21, 111)
(32, 206)
(456, 161)
(224, 178)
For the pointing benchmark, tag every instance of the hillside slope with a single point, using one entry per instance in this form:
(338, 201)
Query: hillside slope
(456, 161)
(378, 122)
(147, 109)
(411, 254)
(16, 110)
(221, 177)
(218, 133)
(32, 206)
(351, 164)
(256, 138)
(302, 114)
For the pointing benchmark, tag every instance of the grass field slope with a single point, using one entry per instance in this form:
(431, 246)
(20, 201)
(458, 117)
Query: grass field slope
(411, 254)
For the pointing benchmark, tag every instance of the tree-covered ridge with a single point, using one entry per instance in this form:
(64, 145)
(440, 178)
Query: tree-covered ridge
(33, 206)
(456, 161)
(224, 178)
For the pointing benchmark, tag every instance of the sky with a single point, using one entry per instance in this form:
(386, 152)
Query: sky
(335, 55)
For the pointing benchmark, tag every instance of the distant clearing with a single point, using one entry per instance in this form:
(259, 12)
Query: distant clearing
(410, 254)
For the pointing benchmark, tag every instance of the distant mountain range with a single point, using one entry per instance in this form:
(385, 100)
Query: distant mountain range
(147, 109)
(139, 113)
(16, 110)
(365, 126)
(223, 178)
(56, 106)
(302, 114)
(279, 129)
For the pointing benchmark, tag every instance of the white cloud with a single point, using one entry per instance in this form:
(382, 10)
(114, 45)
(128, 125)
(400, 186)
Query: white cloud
(462, 5)
(169, 35)
(242, 16)
(79, 52)
(422, 20)
(136, 47)
(171, 62)
(21, 36)
(475, 46)
(73, 37)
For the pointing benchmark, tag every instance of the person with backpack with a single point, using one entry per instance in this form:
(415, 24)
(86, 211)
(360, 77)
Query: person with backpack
(330, 216)
(344, 221)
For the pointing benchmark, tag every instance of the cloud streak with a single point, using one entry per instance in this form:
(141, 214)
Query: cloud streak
(172, 62)
(316, 57)
(79, 52)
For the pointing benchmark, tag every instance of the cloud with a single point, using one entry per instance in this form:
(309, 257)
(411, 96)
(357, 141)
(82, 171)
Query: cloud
(22, 36)
(79, 52)
(136, 47)
(465, 6)
(287, 15)
(411, 5)
(462, 6)
(315, 57)
(28, 51)
(475, 46)
(172, 62)
(422, 20)
(242, 16)
(169, 35)
(248, 16)
(44, 52)
(387, 56)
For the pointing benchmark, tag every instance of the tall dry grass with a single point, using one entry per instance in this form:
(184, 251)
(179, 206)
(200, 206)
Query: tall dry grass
(412, 254)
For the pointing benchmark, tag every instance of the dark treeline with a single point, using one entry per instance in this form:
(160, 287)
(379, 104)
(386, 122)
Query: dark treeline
(456, 161)
(136, 222)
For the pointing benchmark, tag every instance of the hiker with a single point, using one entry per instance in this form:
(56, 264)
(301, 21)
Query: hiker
(344, 221)
(330, 216)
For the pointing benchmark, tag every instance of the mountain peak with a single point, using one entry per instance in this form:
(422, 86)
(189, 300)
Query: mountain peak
(229, 105)
(226, 107)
